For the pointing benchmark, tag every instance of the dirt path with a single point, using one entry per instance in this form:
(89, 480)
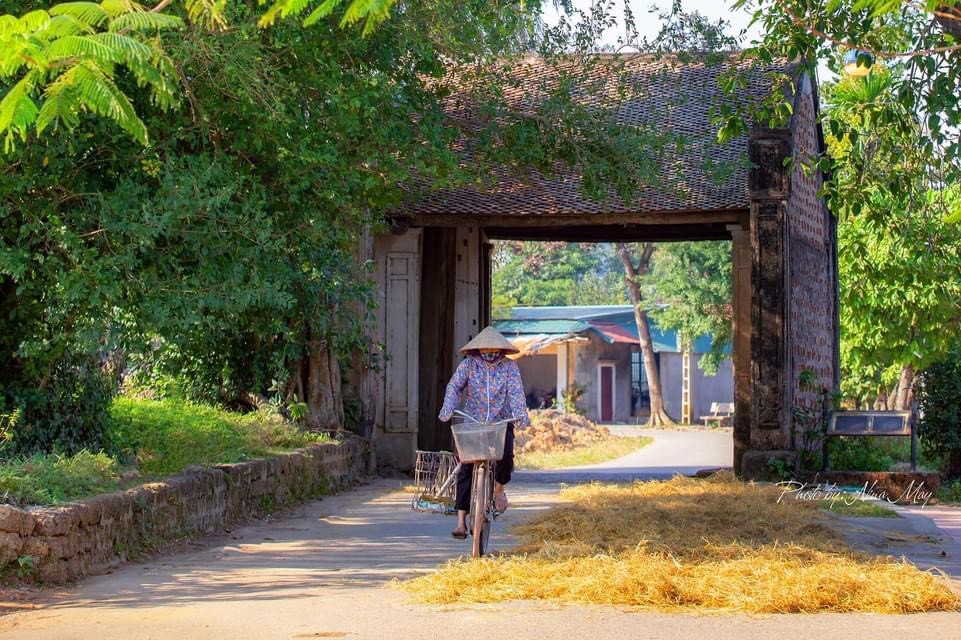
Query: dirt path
(324, 569)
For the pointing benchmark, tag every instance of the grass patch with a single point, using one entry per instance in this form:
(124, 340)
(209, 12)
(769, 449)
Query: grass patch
(52, 478)
(857, 508)
(593, 453)
(167, 435)
(154, 438)
(687, 544)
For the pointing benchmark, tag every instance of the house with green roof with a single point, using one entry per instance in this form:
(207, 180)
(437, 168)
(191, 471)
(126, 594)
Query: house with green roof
(596, 350)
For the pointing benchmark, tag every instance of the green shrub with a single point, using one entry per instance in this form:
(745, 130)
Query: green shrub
(45, 478)
(67, 415)
(877, 454)
(950, 492)
(164, 436)
(859, 454)
(939, 399)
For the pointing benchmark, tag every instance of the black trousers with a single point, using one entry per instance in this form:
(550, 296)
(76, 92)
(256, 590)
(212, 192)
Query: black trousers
(502, 472)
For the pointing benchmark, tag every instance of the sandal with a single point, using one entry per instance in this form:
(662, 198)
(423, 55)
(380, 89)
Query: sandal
(460, 535)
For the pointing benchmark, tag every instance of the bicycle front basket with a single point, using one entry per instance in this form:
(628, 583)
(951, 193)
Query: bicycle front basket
(476, 441)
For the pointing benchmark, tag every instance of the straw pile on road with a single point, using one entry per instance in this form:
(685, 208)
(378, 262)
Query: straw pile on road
(688, 544)
(550, 430)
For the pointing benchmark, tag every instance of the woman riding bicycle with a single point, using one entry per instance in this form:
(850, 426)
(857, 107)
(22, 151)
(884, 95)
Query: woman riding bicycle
(494, 391)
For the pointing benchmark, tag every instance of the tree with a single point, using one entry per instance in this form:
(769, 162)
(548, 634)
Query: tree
(220, 244)
(923, 40)
(899, 305)
(688, 289)
(555, 273)
(633, 275)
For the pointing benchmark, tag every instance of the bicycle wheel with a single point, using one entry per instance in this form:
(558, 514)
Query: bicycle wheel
(488, 510)
(479, 492)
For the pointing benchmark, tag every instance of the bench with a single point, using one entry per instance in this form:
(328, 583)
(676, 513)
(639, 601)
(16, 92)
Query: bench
(721, 414)
(872, 423)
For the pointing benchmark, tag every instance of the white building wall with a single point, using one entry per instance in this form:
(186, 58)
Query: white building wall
(705, 389)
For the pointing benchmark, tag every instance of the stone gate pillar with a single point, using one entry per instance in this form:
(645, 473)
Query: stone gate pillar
(769, 397)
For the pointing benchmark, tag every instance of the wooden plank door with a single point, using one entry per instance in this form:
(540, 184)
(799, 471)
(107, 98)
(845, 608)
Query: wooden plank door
(606, 391)
(402, 320)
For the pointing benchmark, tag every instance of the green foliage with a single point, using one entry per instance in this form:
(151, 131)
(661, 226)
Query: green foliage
(778, 468)
(878, 454)
(857, 508)
(161, 437)
(809, 419)
(210, 243)
(371, 12)
(63, 62)
(939, 400)
(950, 492)
(919, 38)
(555, 273)
(860, 454)
(67, 414)
(53, 478)
(26, 565)
(164, 436)
(899, 260)
(688, 290)
(571, 398)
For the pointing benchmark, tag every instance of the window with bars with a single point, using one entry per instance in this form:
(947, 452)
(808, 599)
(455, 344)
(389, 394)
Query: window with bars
(640, 392)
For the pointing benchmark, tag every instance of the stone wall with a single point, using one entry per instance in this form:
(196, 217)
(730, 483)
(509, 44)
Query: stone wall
(907, 488)
(812, 292)
(57, 544)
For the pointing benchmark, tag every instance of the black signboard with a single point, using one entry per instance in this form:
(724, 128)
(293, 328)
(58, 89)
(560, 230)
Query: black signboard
(870, 423)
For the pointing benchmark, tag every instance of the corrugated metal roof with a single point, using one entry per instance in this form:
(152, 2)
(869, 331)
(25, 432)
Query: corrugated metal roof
(623, 328)
(567, 312)
(549, 326)
(612, 323)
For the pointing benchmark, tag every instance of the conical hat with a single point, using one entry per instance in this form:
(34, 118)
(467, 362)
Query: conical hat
(490, 338)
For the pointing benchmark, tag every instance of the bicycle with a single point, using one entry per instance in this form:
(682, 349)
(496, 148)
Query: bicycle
(435, 475)
(481, 444)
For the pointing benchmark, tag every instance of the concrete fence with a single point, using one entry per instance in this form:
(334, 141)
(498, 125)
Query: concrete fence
(91, 536)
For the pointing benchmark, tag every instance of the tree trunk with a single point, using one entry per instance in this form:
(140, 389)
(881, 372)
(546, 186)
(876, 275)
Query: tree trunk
(905, 389)
(317, 383)
(659, 417)
(881, 402)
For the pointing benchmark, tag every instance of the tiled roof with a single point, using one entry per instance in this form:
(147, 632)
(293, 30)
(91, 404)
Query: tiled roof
(667, 95)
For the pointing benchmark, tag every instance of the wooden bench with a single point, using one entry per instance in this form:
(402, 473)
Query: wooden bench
(721, 413)
(872, 423)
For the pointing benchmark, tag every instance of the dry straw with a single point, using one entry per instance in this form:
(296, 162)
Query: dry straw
(686, 544)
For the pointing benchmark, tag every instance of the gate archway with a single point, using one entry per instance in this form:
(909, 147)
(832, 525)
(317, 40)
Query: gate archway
(433, 270)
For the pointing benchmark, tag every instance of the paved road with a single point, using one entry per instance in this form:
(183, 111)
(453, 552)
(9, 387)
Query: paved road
(324, 571)
(672, 452)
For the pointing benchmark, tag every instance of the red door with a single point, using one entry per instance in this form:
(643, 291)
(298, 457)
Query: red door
(607, 393)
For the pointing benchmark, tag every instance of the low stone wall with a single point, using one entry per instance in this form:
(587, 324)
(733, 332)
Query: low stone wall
(57, 544)
(903, 487)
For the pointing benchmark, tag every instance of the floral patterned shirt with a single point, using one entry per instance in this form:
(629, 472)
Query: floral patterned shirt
(490, 391)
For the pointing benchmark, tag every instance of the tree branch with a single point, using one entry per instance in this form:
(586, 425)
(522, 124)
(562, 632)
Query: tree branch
(811, 29)
(160, 7)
